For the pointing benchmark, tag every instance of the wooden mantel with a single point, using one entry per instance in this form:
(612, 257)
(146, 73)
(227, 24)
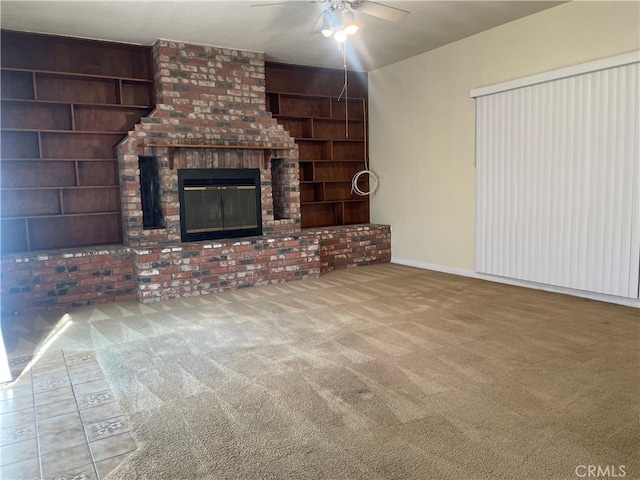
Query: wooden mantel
(173, 146)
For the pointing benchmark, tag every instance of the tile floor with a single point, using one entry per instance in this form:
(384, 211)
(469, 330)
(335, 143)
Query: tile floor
(59, 420)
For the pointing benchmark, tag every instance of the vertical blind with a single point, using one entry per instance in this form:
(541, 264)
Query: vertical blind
(557, 177)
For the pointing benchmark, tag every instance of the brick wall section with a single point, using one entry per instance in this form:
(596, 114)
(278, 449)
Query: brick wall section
(205, 96)
(353, 245)
(192, 269)
(63, 279)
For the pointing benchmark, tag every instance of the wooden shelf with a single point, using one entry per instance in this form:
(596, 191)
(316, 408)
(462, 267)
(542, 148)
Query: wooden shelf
(311, 96)
(267, 150)
(87, 214)
(331, 144)
(81, 132)
(77, 75)
(60, 183)
(115, 160)
(72, 187)
(319, 202)
(320, 140)
(216, 146)
(324, 119)
(115, 106)
(321, 160)
(325, 181)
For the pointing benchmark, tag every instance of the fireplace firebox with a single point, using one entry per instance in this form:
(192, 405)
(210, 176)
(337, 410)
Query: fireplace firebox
(219, 203)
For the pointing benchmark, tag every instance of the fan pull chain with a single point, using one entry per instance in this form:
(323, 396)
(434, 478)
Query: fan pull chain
(345, 87)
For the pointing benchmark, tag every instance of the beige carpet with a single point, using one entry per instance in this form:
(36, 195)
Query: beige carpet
(381, 372)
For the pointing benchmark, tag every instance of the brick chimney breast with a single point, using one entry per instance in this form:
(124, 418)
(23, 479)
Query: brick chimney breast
(208, 96)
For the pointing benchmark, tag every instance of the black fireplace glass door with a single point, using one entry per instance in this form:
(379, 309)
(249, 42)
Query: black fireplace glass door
(203, 209)
(219, 203)
(239, 207)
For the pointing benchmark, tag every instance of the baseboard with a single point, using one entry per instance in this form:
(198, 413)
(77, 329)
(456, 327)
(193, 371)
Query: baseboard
(629, 302)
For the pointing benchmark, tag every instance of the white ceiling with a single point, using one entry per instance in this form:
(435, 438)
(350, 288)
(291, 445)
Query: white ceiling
(281, 31)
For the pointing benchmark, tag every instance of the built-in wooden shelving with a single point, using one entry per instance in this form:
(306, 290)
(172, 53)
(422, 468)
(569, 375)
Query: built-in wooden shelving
(331, 139)
(65, 104)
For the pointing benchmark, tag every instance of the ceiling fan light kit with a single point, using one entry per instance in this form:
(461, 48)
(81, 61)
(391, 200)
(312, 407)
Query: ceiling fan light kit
(339, 20)
(327, 24)
(339, 24)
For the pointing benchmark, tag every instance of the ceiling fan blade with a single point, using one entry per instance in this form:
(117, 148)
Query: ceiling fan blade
(380, 10)
(284, 3)
(317, 26)
(268, 4)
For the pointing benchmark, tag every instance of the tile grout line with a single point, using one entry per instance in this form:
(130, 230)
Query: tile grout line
(84, 430)
(35, 421)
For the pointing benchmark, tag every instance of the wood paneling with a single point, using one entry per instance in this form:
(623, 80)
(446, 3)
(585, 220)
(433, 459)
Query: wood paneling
(70, 55)
(65, 88)
(313, 149)
(338, 130)
(14, 235)
(348, 150)
(136, 93)
(17, 85)
(81, 230)
(354, 212)
(342, 190)
(332, 171)
(88, 200)
(36, 116)
(21, 203)
(297, 127)
(304, 106)
(45, 173)
(318, 214)
(107, 119)
(98, 173)
(19, 145)
(78, 145)
(314, 81)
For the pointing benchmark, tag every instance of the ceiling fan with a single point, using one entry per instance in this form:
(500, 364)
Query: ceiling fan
(337, 20)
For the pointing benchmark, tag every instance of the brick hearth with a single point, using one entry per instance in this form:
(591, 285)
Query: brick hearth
(73, 278)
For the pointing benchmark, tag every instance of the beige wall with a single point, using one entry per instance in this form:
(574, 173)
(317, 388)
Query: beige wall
(422, 124)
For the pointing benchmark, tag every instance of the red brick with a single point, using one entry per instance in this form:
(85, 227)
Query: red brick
(78, 260)
(152, 257)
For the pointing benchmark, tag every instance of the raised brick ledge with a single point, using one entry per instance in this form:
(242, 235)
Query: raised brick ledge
(43, 255)
(352, 245)
(223, 243)
(183, 270)
(67, 278)
(356, 227)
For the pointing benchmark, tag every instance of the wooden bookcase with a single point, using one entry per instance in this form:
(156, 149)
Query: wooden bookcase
(65, 105)
(330, 135)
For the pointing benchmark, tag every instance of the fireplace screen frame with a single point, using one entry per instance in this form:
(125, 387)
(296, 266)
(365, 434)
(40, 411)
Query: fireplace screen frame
(218, 178)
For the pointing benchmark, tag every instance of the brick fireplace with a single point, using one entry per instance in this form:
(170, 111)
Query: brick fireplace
(210, 100)
(210, 114)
